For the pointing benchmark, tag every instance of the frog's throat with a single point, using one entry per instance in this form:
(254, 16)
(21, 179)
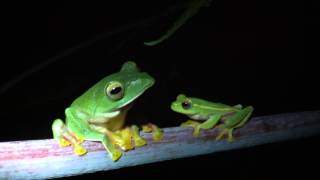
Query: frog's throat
(105, 117)
(130, 102)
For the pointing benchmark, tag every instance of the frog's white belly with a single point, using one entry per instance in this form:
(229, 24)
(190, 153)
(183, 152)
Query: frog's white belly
(200, 117)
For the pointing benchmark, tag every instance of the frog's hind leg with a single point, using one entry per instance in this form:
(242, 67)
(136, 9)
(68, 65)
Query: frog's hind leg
(138, 140)
(84, 131)
(66, 138)
(208, 124)
(225, 131)
(235, 121)
(58, 130)
(157, 133)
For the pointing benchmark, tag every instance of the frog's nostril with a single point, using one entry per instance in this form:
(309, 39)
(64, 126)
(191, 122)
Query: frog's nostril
(173, 105)
(151, 81)
(148, 81)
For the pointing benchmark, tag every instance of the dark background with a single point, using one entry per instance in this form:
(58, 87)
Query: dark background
(254, 53)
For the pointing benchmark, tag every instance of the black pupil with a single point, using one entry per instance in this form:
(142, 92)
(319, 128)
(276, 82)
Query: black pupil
(115, 90)
(186, 105)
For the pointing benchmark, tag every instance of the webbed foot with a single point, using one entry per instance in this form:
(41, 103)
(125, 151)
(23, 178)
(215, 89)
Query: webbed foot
(157, 133)
(123, 138)
(224, 132)
(79, 150)
(109, 144)
(63, 142)
(116, 154)
(138, 140)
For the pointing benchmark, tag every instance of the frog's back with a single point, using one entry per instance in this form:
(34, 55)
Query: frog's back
(211, 106)
(88, 100)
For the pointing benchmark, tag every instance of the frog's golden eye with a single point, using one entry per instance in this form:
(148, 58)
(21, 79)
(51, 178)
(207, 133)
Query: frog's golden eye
(186, 104)
(115, 90)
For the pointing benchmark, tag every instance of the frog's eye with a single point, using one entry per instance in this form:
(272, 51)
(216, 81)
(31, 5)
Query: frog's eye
(115, 90)
(186, 104)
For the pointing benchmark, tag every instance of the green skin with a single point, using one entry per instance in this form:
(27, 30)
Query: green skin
(99, 114)
(212, 114)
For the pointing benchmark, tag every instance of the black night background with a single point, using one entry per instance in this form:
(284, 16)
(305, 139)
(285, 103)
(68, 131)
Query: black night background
(248, 52)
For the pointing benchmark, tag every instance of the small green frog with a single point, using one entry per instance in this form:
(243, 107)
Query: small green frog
(229, 117)
(99, 114)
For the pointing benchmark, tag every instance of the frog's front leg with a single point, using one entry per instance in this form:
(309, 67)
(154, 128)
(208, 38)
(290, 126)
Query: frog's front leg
(127, 138)
(235, 121)
(122, 138)
(138, 140)
(190, 123)
(107, 142)
(208, 124)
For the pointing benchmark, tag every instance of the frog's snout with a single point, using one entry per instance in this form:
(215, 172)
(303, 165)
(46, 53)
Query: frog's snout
(174, 105)
(147, 79)
(151, 81)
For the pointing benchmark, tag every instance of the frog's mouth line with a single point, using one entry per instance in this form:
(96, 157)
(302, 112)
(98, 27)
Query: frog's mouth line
(113, 113)
(126, 105)
(131, 101)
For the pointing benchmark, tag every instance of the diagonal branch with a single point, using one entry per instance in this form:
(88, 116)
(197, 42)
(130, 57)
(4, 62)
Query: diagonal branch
(38, 159)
